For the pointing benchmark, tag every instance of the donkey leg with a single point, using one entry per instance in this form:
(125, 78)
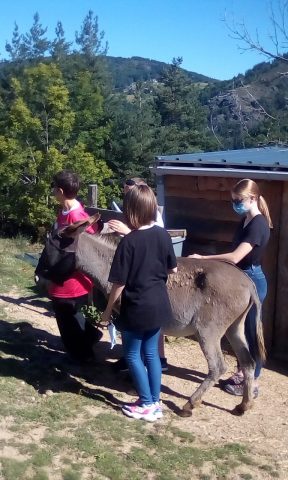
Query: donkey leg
(211, 349)
(236, 337)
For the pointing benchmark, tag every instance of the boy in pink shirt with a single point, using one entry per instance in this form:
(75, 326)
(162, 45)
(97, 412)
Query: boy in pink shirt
(69, 296)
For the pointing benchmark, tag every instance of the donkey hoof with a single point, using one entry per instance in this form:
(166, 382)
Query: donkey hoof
(238, 410)
(186, 410)
(185, 413)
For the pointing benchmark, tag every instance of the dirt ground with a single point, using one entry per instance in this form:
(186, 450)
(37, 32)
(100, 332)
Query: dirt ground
(264, 429)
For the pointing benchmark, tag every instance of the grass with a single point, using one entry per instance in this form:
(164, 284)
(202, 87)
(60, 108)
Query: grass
(14, 272)
(57, 435)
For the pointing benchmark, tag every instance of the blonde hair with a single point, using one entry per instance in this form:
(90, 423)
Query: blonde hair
(248, 188)
(140, 206)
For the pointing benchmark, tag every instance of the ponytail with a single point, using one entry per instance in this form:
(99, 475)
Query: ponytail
(263, 207)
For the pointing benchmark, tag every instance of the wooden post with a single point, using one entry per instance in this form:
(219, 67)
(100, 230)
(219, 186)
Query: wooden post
(92, 195)
(161, 196)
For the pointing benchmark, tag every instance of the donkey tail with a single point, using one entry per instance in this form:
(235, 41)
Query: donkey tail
(259, 326)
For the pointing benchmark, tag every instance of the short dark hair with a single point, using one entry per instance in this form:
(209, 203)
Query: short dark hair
(139, 206)
(68, 181)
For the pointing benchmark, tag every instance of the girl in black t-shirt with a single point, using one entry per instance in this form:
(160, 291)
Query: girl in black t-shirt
(123, 229)
(249, 244)
(139, 272)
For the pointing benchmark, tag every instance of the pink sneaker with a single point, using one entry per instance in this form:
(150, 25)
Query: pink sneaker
(137, 403)
(158, 407)
(144, 412)
(236, 379)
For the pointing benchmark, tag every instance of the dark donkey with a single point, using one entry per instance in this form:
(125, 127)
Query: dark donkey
(209, 298)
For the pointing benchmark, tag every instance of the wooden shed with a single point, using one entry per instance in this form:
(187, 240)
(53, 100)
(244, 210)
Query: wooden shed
(195, 192)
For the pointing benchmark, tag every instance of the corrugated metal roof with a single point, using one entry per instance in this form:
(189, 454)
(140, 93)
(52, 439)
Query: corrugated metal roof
(261, 157)
(263, 162)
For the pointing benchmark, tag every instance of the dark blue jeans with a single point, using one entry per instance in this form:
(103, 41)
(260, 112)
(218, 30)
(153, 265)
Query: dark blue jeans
(147, 380)
(256, 274)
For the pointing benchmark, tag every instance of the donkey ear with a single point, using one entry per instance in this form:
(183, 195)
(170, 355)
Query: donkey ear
(94, 218)
(73, 230)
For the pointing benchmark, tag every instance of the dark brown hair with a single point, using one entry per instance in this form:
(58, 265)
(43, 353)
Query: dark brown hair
(68, 181)
(140, 206)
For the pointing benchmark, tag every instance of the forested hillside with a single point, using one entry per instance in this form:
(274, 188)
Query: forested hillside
(126, 71)
(72, 106)
(250, 109)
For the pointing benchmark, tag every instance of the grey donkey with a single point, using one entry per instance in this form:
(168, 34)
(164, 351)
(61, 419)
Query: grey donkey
(209, 299)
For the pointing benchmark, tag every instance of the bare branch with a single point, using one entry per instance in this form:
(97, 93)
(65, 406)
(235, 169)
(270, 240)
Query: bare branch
(279, 37)
(261, 108)
(213, 131)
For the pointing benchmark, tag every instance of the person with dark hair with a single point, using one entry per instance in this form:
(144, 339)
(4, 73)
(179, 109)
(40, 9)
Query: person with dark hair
(139, 271)
(70, 295)
(68, 181)
(249, 244)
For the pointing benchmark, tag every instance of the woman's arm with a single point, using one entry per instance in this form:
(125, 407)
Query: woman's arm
(236, 256)
(114, 295)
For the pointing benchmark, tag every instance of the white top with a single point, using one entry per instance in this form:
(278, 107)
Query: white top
(159, 219)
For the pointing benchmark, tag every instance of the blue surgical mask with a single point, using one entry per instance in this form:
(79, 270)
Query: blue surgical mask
(240, 208)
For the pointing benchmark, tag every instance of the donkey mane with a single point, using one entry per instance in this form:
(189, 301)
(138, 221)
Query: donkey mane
(109, 239)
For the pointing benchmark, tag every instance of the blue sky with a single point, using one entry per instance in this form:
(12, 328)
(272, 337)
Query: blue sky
(156, 29)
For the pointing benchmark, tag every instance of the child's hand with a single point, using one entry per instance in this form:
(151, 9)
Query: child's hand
(195, 255)
(119, 227)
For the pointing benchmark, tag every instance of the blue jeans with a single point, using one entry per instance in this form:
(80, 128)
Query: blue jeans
(256, 274)
(147, 380)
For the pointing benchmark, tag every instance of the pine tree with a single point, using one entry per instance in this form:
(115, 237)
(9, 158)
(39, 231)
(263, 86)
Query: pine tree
(59, 47)
(91, 126)
(16, 48)
(132, 142)
(35, 44)
(183, 119)
(90, 40)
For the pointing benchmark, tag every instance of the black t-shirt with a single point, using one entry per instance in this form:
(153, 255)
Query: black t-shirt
(257, 233)
(140, 263)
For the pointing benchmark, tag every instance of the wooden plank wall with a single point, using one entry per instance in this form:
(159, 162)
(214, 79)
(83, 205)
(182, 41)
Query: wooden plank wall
(202, 205)
(281, 315)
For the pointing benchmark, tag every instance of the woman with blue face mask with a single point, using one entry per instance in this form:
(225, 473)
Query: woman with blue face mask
(248, 247)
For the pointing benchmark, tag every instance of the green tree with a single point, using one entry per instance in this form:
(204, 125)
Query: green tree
(60, 48)
(89, 39)
(35, 44)
(132, 143)
(91, 125)
(183, 119)
(16, 48)
(91, 53)
(38, 142)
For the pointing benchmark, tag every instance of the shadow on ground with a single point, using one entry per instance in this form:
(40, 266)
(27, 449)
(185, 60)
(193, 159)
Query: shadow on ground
(37, 357)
